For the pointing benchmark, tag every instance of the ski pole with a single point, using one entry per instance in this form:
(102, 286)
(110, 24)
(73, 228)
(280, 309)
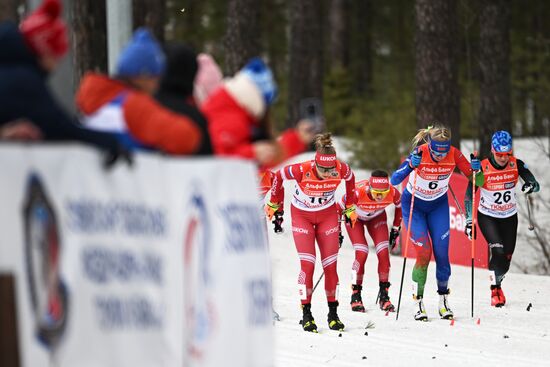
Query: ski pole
(456, 201)
(316, 284)
(528, 202)
(474, 222)
(406, 244)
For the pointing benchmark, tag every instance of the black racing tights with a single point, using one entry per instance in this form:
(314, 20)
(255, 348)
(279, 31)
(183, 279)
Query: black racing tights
(500, 234)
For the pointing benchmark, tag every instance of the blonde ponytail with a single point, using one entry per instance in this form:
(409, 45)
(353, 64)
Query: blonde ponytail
(433, 132)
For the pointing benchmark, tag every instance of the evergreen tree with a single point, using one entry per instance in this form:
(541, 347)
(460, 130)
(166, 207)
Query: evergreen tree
(437, 93)
(89, 38)
(495, 108)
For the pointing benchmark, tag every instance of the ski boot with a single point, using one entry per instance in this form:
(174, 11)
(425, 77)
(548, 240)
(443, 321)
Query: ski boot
(420, 314)
(444, 309)
(308, 323)
(334, 322)
(356, 301)
(384, 298)
(497, 296)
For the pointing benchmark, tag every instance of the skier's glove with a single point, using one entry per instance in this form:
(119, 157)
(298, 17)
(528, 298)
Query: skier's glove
(278, 222)
(416, 158)
(350, 214)
(270, 209)
(394, 233)
(468, 229)
(530, 187)
(475, 163)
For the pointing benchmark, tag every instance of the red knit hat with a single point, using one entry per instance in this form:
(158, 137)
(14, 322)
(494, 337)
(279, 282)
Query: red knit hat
(44, 31)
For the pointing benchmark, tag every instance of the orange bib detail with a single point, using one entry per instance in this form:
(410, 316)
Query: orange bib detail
(433, 177)
(498, 195)
(313, 186)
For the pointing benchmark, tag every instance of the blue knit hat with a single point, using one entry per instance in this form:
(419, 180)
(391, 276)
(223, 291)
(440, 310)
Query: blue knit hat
(262, 77)
(141, 56)
(501, 142)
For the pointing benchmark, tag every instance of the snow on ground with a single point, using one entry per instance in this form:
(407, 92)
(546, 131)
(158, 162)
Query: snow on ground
(511, 336)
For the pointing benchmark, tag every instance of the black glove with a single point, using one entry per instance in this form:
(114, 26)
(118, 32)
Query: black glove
(394, 233)
(278, 222)
(468, 229)
(530, 187)
(120, 152)
(340, 238)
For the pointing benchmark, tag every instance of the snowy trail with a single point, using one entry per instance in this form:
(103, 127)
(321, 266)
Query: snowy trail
(512, 335)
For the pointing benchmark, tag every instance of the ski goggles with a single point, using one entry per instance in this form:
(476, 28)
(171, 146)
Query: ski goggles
(326, 169)
(502, 154)
(379, 192)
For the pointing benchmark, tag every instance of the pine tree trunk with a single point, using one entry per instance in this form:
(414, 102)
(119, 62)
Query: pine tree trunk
(89, 38)
(495, 107)
(150, 14)
(437, 92)
(339, 34)
(8, 10)
(362, 49)
(241, 41)
(306, 55)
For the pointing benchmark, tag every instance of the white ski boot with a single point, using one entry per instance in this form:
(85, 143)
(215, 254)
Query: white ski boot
(420, 314)
(444, 309)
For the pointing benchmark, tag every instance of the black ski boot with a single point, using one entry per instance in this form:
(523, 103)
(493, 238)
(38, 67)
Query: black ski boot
(334, 322)
(308, 323)
(356, 301)
(384, 297)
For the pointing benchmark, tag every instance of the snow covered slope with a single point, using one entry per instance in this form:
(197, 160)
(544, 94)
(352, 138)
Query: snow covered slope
(511, 336)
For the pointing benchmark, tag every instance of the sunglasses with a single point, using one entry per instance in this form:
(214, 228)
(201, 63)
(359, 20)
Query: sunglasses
(379, 192)
(326, 169)
(502, 154)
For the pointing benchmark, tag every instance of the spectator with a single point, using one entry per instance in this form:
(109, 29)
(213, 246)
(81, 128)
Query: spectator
(124, 105)
(238, 118)
(209, 78)
(28, 110)
(176, 89)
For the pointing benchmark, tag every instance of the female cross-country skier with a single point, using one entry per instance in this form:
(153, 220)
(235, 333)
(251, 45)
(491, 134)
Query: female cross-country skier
(497, 210)
(315, 217)
(430, 165)
(373, 196)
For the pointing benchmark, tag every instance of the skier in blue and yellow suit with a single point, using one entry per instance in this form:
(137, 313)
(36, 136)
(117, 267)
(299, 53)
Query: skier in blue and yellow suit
(432, 161)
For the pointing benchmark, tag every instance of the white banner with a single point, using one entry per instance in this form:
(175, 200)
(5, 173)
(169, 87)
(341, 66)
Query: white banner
(161, 264)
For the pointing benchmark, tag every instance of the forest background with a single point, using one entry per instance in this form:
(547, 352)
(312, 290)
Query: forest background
(375, 70)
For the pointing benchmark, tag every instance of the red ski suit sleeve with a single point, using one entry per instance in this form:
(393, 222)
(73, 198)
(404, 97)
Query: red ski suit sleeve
(397, 202)
(347, 175)
(290, 172)
(462, 163)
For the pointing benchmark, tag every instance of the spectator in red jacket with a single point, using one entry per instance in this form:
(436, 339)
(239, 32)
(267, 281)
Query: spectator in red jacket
(238, 118)
(123, 105)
